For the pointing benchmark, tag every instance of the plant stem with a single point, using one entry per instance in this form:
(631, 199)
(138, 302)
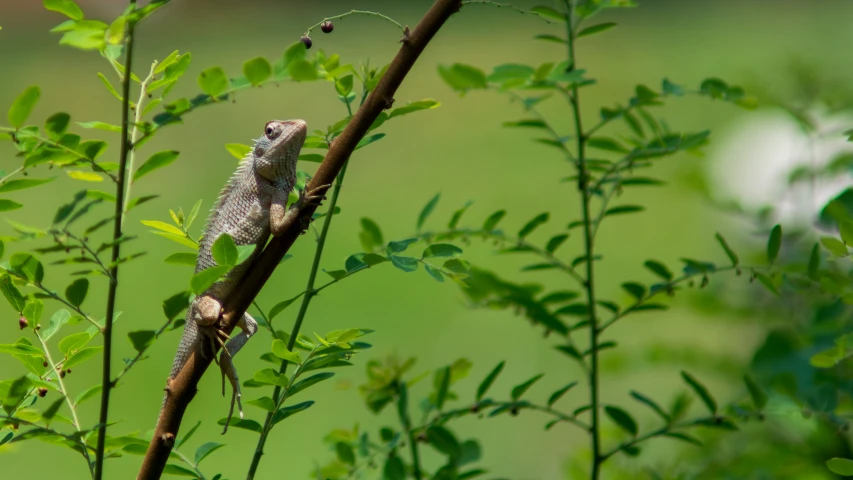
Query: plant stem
(406, 423)
(583, 183)
(106, 380)
(64, 393)
(310, 292)
(143, 94)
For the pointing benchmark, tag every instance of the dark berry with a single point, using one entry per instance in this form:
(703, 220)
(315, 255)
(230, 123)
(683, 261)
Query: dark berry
(327, 27)
(62, 374)
(44, 364)
(306, 40)
(42, 392)
(68, 371)
(23, 323)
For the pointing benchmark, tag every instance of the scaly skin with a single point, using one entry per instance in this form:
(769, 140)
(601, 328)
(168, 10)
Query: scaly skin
(250, 208)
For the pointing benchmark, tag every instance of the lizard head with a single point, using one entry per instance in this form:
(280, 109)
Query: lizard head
(278, 149)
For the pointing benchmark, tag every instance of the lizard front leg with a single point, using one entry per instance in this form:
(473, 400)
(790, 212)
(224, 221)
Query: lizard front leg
(206, 312)
(226, 363)
(281, 217)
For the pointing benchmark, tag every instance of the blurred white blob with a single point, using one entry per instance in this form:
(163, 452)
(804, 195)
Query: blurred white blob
(753, 158)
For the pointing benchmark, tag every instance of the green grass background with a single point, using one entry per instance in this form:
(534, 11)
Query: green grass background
(459, 150)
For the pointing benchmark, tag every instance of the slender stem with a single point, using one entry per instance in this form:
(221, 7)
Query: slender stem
(11, 174)
(64, 393)
(189, 462)
(143, 95)
(406, 423)
(356, 12)
(309, 293)
(66, 149)
(583, 184)
(657, 433)
(488, 404)
(106, 378)
(505, 5)
(85, 245)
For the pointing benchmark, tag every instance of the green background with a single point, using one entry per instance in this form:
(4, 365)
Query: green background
(459, 150)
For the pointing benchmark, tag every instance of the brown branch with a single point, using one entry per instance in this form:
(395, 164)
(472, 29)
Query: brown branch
(182, 388)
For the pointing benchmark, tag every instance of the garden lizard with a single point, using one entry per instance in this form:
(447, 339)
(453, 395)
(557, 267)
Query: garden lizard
(250, 207)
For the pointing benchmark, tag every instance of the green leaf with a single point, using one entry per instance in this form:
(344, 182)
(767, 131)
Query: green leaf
(559, 393)
(27, 266)
(182, 259)
(443, 441)
(84, 176)
(270, 376)
(463, 77)
(73, 342)
(840, 466)
(56, 125)
(427, 210)
(100, 126)
(549, 13)
(767, 282)
(205, 450)
(636, 290)
(624, 209)
(81, 356)
(370, 235)
(368, 140)
(202, 280)
(457, 215)
(759, 398)
(520, 389)
(257, 70)
(774, 243)
(493, 220)
(76, 292)
(156, 161)
(394, 469)
(345, 453)
(264, 403)
(406, 264)
(442, 386)
(238, 150)
(434, 273)
(279, 307)
(659, 269)
(426, 104)
(307, 382)
(172, 469)
(23, 105)
(510, 72)
(489, 380)
(141, 339)
(13, 296)
(240, 423)
(87, 394)
(608, 144)
(33, 310)
(224, 250)
(814, 262)
(622, 418)
(279, 349)
(593, 29)
(213, 81)
(65, 7)
(701, 391)
(441, 250)
(555, 242)
(533, 224)
(23, 183)
(285, 412)
(731, 254)
(59, 318)
(7, 205)
(835, 246)
(651, 404)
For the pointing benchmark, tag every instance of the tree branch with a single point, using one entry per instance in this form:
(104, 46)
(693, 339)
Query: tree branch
(183, 387)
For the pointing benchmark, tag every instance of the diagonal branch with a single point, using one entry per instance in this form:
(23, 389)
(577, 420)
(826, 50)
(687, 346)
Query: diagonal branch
(183, 387)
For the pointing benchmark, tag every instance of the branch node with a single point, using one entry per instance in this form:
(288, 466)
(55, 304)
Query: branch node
(168, 439)
(389, 102)
(406, 34)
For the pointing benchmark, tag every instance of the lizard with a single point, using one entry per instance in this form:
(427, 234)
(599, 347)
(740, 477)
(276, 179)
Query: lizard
(251, 206)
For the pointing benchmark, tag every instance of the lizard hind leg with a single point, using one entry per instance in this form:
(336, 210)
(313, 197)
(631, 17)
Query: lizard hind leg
(249, 326)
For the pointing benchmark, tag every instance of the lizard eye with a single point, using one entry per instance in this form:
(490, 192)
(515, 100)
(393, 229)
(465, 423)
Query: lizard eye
(272, 131)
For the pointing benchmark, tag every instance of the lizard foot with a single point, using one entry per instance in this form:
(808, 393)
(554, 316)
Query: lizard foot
(226, 365)
(314, 196)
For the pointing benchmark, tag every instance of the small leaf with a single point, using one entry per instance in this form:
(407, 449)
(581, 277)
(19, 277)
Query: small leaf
(65, 7)
(27, 266)
(701, 391)
(156, 161)
(443, 441)
(13, 296)
(559, 393)
(774, 243)
(651, 404)
(731, 254)
(592, 30)
(257, 70)
(59, 318)
(759, 398)
(205, 450)
(370, 235)
(533, 224)
(307, 382)
(555, 242)
(622, 209)
(427, 210)
(202, 280)
(493, 220)
(635, 289)
(224, 250)
(238, 150)
(488, 381)
(23, 183)
(622, 418)
(23, 105)
(279, 349)
(840, 466)
(835, 246)
(659, 269)
(213, 81)
(520, 389)
(182, 259)
(406, 264)
(141, 339)
(84, 176)
(81, 356)
(279, 307)
(87, 394)
(76, 292)
(441, 250)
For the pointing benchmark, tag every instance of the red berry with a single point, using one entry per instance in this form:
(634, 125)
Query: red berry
(23, 323)
(327, 27)
(306, 40)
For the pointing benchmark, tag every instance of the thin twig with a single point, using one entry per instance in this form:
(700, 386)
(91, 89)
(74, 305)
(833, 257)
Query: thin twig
(106, 377)
(69, 150)
(143, 95)
(506, 5)
(356, 12)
